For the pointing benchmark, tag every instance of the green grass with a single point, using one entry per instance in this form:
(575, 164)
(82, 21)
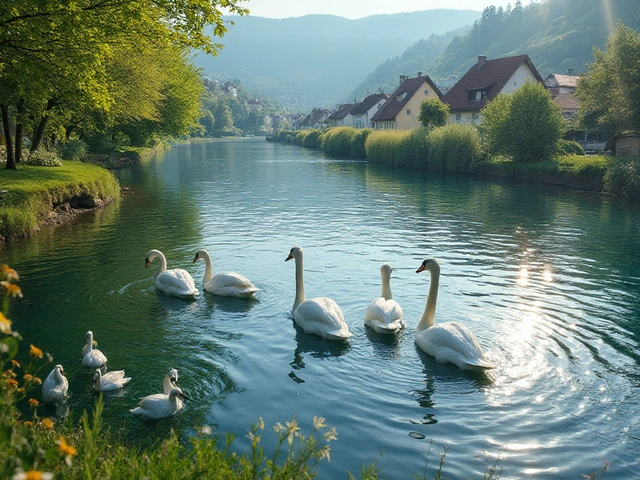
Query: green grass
(29, 193)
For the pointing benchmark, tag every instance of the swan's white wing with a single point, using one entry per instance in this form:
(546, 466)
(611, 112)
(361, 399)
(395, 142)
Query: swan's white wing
(52, 391)
(94, 359)
(230, 284)
(113, 375)
(323, 317)
(177, 282)
(454, 343)
(384, 316)
(114, 380)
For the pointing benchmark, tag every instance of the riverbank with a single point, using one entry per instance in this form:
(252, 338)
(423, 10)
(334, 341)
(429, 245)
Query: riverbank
(33, 196)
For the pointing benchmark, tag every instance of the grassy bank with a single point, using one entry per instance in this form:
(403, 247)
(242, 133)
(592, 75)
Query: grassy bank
(29, 194)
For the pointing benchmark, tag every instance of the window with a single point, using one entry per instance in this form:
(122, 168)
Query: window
(408, 111)
(458, 117)
(474, 116)
(515, 84)
(426, 92)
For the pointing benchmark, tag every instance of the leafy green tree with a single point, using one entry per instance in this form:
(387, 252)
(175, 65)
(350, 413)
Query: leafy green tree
(609, 93)
(55, 52)
(433, 113)
(525, 125)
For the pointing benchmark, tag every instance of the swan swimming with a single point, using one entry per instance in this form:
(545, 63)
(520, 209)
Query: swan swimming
(176, 281)
(450, 342)
(109, 381)
(320, 315)
(55, 386)
(384, 314)
(225, 284)
(160, 405)
(92, 357)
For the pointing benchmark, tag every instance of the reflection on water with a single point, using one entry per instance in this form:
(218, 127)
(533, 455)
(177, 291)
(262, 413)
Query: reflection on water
(546, 278)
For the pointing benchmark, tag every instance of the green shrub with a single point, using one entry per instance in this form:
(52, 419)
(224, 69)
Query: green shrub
(3, 153)
(623, 177)
(568, 147)
(43, 158)
(337, 141)
(357, 144)
(312, 139)
(73, 150)
(453, 148)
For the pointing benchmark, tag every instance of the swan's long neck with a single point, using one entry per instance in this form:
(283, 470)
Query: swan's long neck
(58, 376)
(89, 342)
(163, 263)
(428, 317)
(299, 283)
(386, 286)
(208, 269)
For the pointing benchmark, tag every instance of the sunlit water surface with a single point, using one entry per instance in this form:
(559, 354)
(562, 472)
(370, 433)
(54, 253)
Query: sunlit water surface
(547, 278)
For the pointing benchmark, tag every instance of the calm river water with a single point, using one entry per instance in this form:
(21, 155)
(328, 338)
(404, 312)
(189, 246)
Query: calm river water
(547, 278)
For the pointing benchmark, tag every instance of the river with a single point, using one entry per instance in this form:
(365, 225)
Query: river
(547, 278)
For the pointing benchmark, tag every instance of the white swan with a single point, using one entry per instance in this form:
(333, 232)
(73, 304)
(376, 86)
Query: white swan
(170, 381)
(384, 314)
(225, 284)
(451, 341)
(55, 386)
(92, 357)
(176, 281)
(321, 315)
(110, 381)
(159, 405)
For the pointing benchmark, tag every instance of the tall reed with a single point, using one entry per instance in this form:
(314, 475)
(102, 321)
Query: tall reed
(453, 148)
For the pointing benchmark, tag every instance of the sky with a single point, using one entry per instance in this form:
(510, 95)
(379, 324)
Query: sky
(353, 9)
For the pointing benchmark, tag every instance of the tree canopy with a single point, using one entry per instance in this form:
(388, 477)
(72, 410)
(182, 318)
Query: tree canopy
(609, 93)
(433, 113)
(525, 125)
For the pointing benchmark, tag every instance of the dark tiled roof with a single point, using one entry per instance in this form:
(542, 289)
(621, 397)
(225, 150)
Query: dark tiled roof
(491, 75)
(314, 117)
(398, 99)
(364, 106)
(342, 112)
(566, 101)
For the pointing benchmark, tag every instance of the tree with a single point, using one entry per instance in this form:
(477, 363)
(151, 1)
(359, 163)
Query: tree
(609, 93)
(525, 125)
(56, 52)
(433, 113)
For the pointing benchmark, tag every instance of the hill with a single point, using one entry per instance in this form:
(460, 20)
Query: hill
(318, 59)
(558, 35)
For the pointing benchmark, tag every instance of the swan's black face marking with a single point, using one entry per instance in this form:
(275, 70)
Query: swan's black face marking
(423, 267)
(146, 263)
(290, 256)
(196, 258)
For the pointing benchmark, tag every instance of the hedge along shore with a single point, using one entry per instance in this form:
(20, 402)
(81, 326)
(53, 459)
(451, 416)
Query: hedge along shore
(33, 196)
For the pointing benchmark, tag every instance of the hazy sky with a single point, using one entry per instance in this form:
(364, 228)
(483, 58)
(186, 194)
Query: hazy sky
(362, 8)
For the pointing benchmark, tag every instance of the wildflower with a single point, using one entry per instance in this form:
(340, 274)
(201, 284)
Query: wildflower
(66, 450)
(28, 377)
(12, 383)
(261, 424)
(330, 435)
(254, 439)
(32, 475)
(318, 422)
(33, 402)
(35, 352)
(28, 423)
(5, 324)
(9, 273)
(292, 429)
(12, 289)
(205, 430)
(46, 423)
(15, 363)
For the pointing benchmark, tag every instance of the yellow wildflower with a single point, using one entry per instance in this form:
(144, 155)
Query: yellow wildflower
(15, 363)
(28, 423)
(12, 383)
(35, 352)
(46, 423)
(28, 377)
(33, 402)
(5, 324)
(32, 475)
(12, 289)
(9, 273)
(66, 450)
(292, 430)
(318, 422)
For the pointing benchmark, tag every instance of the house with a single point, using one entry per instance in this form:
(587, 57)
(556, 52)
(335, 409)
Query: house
(315, 120)
(342, 116)
(402, 109)
(484, 81)
(366, 109)
(561, 84)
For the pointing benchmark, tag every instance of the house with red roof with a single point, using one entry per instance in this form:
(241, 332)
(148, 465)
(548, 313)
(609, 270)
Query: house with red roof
(366, 109)
(342, 116)
(402, 109)
(484, 81)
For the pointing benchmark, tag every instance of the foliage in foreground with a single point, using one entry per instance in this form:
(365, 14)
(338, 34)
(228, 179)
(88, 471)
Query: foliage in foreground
(32, 191)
